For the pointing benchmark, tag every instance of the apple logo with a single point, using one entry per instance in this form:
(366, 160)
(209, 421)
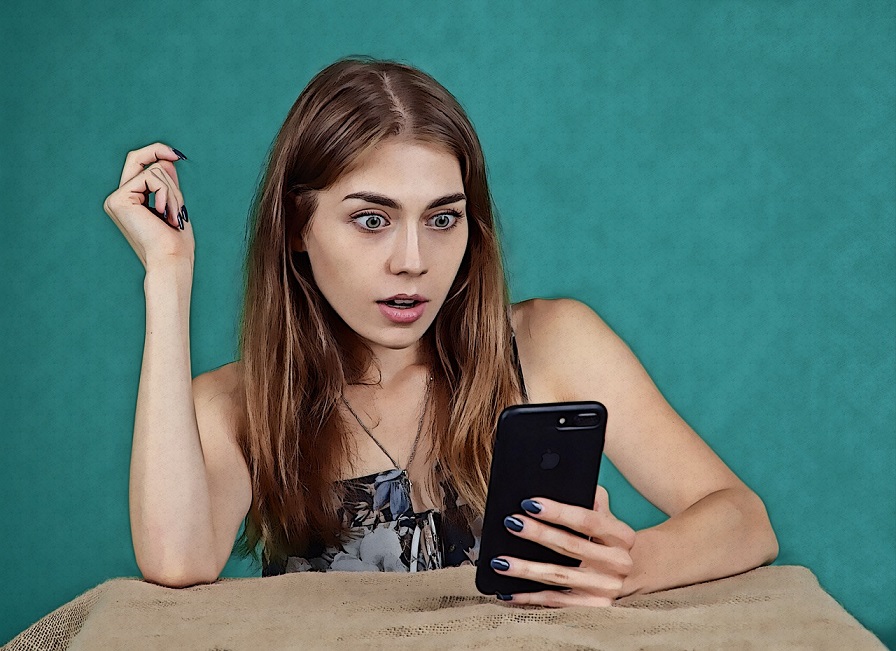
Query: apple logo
(549, 460)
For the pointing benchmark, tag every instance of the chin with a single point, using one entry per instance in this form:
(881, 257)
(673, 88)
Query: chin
(398, 340)
(396, 337)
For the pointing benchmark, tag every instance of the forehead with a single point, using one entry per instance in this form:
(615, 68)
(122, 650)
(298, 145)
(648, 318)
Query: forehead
(403, 167)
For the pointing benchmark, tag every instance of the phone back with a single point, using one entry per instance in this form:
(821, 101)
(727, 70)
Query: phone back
(540, 450)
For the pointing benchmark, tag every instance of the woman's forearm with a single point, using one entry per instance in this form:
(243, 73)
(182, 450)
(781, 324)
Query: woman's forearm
(725, 533)
(169, 495)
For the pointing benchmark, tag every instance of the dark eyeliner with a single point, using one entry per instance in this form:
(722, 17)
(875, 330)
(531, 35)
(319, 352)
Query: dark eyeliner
(449, 211)
(353, 219)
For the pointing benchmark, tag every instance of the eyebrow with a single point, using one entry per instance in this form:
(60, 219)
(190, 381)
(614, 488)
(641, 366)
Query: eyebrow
(381, 200)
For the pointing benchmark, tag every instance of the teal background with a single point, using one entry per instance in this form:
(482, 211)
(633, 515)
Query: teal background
(716, 179)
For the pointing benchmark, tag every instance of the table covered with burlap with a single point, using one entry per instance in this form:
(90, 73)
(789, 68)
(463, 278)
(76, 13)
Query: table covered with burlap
(767, 608)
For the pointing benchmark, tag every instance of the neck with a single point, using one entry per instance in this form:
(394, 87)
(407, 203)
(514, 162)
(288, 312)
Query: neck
(390, 366)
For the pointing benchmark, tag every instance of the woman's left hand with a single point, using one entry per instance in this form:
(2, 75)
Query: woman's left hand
(606, 557)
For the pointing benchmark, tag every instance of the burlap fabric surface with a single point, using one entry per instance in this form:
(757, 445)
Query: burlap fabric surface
(768, 608)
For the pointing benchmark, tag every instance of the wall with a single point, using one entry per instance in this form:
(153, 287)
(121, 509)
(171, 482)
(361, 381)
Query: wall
(716, 179)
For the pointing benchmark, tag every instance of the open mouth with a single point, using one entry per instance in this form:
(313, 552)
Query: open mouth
(401, 303)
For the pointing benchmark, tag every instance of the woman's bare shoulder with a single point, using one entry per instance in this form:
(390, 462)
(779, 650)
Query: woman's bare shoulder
(227, 377)
(220, 390)
(548, 332)
(535, 315)
(539, 316)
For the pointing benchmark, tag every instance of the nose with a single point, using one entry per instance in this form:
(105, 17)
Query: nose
(407, 256)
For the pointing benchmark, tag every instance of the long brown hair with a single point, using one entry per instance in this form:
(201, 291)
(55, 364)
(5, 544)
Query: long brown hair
(297, 354)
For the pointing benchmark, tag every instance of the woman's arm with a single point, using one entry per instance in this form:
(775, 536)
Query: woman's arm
(724, 533)
(717, 525)
(186, 485)
(189, 484)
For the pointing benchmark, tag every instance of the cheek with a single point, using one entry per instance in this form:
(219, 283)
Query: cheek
(460, 249)
(326, 252)
(333, 269)
(340, 273)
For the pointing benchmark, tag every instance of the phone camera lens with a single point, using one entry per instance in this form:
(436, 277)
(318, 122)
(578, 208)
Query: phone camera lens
(589, 419)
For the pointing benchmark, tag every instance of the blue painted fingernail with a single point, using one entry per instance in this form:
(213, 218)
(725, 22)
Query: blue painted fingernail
(183, 209)
(531, 506)
(178, 154)
(500, 564)
(504, 597)
(512, 523)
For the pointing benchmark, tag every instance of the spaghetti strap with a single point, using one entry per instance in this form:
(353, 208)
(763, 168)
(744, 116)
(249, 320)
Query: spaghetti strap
(519, 368)
(516, 355)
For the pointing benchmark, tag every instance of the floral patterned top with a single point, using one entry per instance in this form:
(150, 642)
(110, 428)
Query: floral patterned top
(385, 534)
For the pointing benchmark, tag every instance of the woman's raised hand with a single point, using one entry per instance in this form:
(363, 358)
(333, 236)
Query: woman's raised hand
(606, 557)
(159, 235)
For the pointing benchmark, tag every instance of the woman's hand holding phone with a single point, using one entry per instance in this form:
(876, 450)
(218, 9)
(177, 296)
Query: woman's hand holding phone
(161, 234)
(548, 535)
(605, 553)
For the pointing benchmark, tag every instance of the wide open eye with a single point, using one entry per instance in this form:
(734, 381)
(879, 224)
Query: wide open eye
(445, 220)
(370, 221)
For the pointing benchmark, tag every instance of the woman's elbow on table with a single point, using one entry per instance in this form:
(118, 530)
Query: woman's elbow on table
(758, 529)
(179, 576)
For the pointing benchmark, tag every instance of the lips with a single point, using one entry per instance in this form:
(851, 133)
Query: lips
(403, 308)
(400, 301)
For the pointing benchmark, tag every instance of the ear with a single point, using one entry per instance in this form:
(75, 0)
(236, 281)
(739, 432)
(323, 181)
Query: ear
(296, 241)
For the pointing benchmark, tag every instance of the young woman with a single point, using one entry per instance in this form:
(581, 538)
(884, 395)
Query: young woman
(378, 349)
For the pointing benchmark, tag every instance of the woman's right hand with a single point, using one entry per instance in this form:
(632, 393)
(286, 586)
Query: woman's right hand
(155, 240)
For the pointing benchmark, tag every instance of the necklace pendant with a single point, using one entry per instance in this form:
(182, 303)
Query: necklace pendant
(409, 488)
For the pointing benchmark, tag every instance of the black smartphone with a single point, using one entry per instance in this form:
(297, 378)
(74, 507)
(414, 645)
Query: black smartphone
(549, 450)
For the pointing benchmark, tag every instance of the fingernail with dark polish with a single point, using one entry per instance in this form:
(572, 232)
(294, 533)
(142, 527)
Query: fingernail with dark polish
(178, 154)
(504, 597)
(531, 506)
(184, 211)
(512, 523)
(180, 222)
(500, 564)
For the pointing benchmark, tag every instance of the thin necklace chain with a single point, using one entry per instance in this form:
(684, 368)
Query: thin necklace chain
(416, 438)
